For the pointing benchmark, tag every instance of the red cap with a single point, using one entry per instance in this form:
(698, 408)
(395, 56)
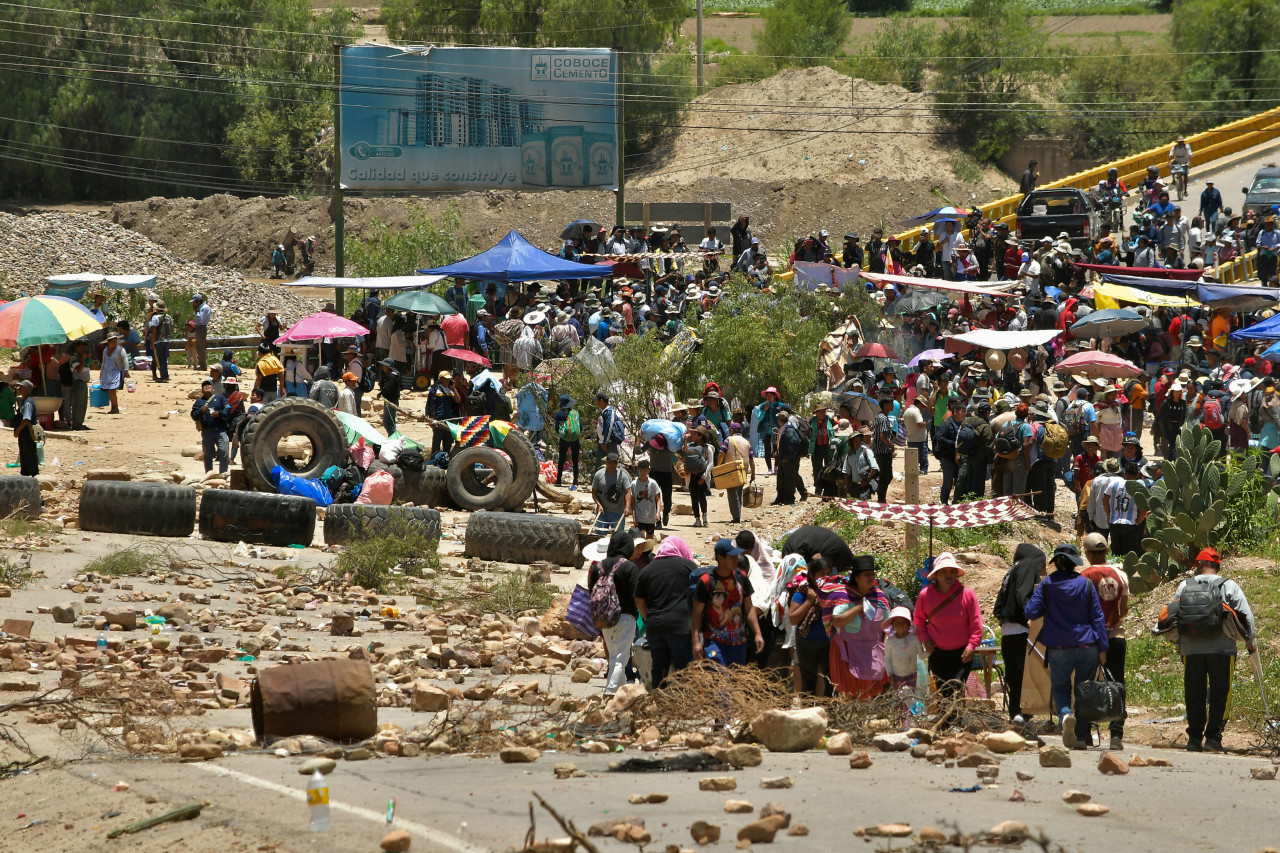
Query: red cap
(1209, 555)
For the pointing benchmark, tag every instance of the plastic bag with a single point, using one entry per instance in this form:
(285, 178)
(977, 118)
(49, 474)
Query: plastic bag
(362, 454)
(390, 452)
(379, 488)
(291, 484)
(672, 431)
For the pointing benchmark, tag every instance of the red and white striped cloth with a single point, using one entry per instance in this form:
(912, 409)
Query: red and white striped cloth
(974, 514)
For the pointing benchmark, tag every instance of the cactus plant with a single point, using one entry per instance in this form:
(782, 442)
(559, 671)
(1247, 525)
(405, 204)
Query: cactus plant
(1186, 508)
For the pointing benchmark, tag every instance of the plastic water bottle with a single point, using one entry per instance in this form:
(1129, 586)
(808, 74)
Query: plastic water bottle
(318, 800)
(102, 643)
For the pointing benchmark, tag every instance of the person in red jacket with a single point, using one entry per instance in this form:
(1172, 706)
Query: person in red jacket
(949, 624)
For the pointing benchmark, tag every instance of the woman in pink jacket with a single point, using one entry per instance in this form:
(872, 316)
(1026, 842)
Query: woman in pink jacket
(949, 623)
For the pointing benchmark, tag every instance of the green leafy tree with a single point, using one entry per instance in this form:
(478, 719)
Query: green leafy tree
(656, 81)
(125, 98)
(426, 243)
(991, 61)
(899, 52)
(802, 32)
(1232, 47)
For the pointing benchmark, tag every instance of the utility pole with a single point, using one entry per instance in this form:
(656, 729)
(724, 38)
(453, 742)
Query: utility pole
(339, 227)
(700, 53)
(911, 468)
(620, 112)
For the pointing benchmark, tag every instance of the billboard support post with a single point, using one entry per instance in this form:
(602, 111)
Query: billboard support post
(701, 81)
(339, 229)
(619, 195)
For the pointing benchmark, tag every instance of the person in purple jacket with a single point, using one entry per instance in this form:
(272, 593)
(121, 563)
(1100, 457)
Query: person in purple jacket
(1074, 636)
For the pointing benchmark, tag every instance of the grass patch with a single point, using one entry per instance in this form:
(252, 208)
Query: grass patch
(716, 45)
(1153, 675)
(966, 169)
(377, 557)
(16, 572)
(17, 525)
(132, 561)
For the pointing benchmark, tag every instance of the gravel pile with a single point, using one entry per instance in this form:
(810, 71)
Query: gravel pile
(40, 245)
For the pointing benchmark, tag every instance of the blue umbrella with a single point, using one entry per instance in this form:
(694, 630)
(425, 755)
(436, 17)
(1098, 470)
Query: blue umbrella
(1272, 353)
(1109, 323)
(577, 226)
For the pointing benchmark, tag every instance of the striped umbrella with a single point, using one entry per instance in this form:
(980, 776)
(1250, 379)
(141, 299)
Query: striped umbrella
(45, 319)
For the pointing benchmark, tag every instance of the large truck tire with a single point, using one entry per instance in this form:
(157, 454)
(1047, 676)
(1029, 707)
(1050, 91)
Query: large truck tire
(524, 470)
(343, 522)
(518, 537)
(148, 509)
(21, 496)
(465, 485)
(257, 518)
(428, 487)
(259, 446)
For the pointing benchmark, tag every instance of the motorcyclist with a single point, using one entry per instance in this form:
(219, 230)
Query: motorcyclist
(1112, 192)
(1149, 186)
(1163, 207)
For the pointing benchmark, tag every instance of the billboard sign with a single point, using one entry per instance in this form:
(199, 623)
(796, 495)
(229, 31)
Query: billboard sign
(470, 118)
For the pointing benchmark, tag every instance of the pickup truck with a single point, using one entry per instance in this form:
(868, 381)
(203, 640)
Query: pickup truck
(1048, 213)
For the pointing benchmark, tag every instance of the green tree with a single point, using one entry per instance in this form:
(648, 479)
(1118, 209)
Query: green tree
(1234, 67)
(899, 52)
(802, 32)
(426, 243)
(656, 84)
(991, 61)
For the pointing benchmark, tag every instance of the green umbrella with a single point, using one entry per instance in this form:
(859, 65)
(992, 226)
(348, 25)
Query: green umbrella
(356, 427)
(420, 302)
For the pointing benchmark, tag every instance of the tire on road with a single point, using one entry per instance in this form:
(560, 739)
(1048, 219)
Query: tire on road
(519, 537)
(259, 447)
(465, 486)
(524, 470)
(428, 487)
(342, 522)
(148, 509)
(257, 518)
(21, 496)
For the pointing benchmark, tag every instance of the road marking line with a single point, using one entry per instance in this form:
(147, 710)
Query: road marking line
(434, 836)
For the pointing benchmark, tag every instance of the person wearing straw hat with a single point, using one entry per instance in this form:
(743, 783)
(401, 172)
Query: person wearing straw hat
(1074, 635)
(860, 469)
(203, 315)
(948, 621)
(1170, 418)
(26, 426)
(767, 416)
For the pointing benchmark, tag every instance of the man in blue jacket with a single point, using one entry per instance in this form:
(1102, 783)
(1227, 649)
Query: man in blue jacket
(1074, 636)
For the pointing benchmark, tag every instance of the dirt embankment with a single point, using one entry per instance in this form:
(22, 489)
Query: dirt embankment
(804, 150)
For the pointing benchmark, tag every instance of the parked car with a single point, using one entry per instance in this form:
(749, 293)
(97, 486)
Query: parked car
(1049, 213)
(1263, 192)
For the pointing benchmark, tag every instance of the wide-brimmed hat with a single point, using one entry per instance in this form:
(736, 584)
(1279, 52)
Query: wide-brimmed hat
(596, 551)
(898, 612)
(843, 428)
(535, 318)
(770, 390)
(945, 560)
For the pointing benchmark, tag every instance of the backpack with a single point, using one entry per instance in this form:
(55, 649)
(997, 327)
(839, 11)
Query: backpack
(1007, 442)
(1201, 607)
(804, 429)
(694, 461)
(571, 429)
(1255, 411)
(615, 434)
(1211, 414)
(412, 460)
(164, 329)
(966, 440)
(476, 402)
(897, 598)
(1073, 421)
(366, 381)
(1053, 442)
(792, 444)
(605, 606)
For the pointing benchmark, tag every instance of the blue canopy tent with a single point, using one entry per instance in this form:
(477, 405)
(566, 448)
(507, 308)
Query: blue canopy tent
(1267, 330)
(515, 259)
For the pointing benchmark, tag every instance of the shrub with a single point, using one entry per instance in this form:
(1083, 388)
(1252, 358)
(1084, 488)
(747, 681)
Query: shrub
(376, 556)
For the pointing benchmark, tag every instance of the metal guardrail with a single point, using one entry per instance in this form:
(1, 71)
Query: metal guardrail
(1207, 146)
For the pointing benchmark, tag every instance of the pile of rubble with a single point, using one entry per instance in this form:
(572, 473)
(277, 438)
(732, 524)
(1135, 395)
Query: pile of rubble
(40, 245)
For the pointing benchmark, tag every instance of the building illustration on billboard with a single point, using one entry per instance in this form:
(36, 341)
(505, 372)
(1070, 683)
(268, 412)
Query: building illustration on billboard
(477, 118)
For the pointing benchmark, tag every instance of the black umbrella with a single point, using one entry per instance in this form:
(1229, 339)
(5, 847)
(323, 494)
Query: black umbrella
(917, 301)
(576, 228)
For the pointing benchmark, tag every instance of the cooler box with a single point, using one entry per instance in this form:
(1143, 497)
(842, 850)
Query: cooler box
(45, 421)
(99, 398)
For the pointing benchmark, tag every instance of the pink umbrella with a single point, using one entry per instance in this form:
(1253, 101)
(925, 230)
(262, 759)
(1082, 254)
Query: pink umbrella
(929, 355)
(466, 355)
(1097, 365)
(323, 325)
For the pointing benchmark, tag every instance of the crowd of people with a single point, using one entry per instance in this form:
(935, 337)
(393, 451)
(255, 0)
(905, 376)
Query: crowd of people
(837, 625)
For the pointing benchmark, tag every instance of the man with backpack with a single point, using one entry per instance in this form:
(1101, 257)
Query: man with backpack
(609, 489)
(612, 586)
(944, 449)
(1213, 412)
(1078, 419)
(610, 433)
(442, 405)
(974, 444)
(1212, 614)
(210, 414)
(791, 449)
(569, 431)
(159, 331)
(722, 610)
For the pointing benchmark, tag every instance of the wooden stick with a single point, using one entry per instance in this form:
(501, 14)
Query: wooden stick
(567, 826)
(187, 812)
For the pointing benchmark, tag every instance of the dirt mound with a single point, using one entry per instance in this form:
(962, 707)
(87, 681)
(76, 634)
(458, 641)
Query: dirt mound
(806, 149)
(35, 246)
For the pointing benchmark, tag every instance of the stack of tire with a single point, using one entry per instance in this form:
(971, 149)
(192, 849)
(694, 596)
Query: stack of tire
(512, 476)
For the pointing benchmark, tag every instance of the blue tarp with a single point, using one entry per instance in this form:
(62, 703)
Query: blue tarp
(1267, 330)
(516, 259)
(1236, 297)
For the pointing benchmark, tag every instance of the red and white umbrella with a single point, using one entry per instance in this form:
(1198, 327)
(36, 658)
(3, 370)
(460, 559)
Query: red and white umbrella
(466, 355)
(874, 350)
(322, 325)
